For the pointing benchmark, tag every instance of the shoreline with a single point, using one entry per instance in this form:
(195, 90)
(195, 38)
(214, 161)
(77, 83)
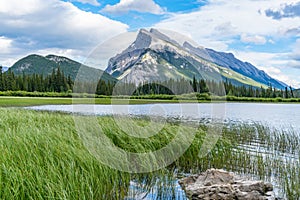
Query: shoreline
(18, 101)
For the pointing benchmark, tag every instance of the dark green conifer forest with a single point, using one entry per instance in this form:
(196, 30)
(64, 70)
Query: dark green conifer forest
(58, 82)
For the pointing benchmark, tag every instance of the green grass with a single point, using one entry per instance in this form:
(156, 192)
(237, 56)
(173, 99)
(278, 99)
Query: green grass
(35, 101)
(21, 99)
(7, 101)
(32, 101)
(43, 157)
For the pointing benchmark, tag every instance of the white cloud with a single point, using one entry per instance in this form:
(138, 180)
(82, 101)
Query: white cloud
(143, 6)
(33, 25)
(20, 8)
(262, 60)
(92, 2)
(256, 39)
(271, 41)
(221, 20)
(273, 70)
(295, 54)
(102, 53)
(6, 45)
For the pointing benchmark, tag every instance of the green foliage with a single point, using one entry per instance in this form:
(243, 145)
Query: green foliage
(56, 82)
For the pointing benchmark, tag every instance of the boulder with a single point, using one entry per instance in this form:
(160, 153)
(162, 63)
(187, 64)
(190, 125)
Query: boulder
(217, 184)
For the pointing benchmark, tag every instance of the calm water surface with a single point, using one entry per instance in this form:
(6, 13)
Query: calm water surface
(275, 115)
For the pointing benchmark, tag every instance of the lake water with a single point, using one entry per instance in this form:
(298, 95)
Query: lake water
(280, 116)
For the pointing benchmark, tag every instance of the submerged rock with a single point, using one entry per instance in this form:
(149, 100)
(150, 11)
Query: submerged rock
(217, 184)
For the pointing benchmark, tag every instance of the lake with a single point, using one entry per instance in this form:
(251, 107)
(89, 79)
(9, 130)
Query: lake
(280, 116)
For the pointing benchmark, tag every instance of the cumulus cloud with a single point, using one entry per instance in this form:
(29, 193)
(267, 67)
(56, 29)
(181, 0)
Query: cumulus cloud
(6, 45)
(34, 25)
(256, 39)
(124, 6)
(285, 11)
(92, 2)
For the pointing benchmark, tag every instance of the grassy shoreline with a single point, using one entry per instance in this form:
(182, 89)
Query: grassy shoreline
(36, 101)
(22, 101)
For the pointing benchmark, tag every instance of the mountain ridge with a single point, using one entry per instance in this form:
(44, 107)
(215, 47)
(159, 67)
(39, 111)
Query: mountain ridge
(181, 61)
(37, 64)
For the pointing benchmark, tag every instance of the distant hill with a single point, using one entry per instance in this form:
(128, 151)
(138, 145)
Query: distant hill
(36, 64)
(156, 56)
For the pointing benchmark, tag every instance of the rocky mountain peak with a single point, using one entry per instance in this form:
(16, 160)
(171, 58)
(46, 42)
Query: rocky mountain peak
(176, 56)
(162, 36)
(143, 40)
(151, 39)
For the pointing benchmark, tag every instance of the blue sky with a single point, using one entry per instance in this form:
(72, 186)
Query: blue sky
(265, 32)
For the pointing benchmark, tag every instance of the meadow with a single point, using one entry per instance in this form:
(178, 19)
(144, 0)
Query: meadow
(8, 101)
(43, 157)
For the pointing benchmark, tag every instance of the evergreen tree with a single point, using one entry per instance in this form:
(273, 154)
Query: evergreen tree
(194, 84)
(292, 93)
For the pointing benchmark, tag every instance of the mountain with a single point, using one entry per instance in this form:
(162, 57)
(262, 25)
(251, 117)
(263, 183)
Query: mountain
(36, 64)
(228, 61)
(156, 56)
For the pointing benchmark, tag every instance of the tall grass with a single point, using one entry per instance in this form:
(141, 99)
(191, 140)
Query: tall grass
(42, 157)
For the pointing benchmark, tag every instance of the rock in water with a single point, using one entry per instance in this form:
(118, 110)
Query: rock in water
(217, 184)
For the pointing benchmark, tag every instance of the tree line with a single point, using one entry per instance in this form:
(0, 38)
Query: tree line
(262, 92)
(57, 81)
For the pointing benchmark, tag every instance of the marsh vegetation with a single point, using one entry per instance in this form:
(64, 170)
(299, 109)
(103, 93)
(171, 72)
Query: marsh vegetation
(42, 157)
